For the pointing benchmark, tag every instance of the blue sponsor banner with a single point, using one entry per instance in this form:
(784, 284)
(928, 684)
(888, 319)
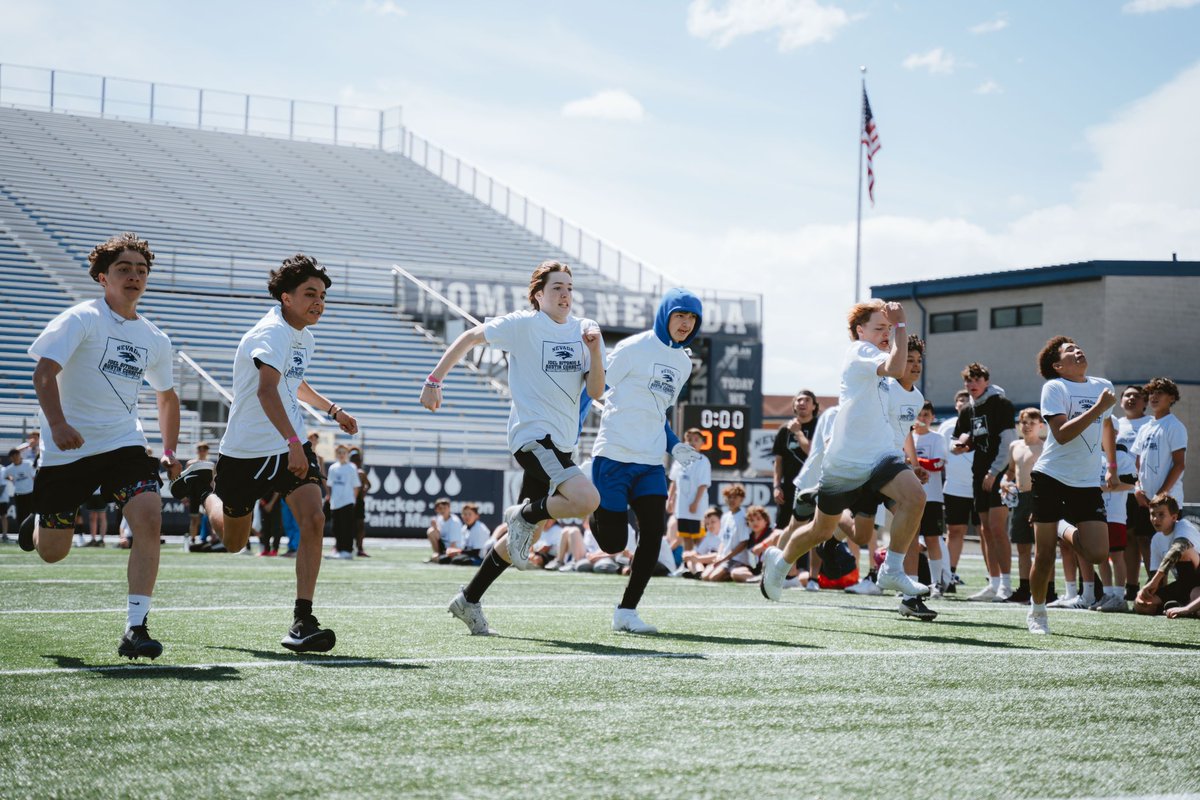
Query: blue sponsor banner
(399, 500)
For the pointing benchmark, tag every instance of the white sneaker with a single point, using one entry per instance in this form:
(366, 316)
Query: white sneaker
(812, 586)
(627, 620)
(775, 569)
(1002, 594)
(1039, 623)
(1076, 603)
(935, 592)
(471, 614)
(1064, 602)
(986, 595)
(520, 536)
(865, 586)
(899, 582)
(1112, 603)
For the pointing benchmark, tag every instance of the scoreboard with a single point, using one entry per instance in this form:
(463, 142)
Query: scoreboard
(725, 433)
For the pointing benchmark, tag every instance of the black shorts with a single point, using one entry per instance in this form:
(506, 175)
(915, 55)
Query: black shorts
(688, 526)
(1053, 500)
(1137, 518)
(96, 503)
(1180, 590)
(783, 511)
(961, 511)
(804, 507)
(834, 503)
(984, 500)
(242, 481)
(1020, 521)
(360, 509)
(121, 474)
(546, 468)
(933, 520)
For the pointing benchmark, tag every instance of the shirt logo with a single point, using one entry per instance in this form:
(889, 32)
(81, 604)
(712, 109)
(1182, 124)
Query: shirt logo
(664, 384)
(1080, 406)
(123, 365)
(563, 362)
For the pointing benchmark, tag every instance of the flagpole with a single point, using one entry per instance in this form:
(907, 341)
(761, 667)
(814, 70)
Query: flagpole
(858, 226)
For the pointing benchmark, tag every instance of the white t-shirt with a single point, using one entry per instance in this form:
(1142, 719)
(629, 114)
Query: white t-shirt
(547, 370)
(1073, 463)
(932, 448)
(862, 433)
(644, 378)
(1155, 448)
(711, 543)
(810, 474)
(1127, 429)
(903, 406)
(451, 530)
(104, 359)
(343, 480)
(734, 531)
(478, 535)
(5, 485)
(550, 539)
(1115, 509)
(1160, 543)
(275, 343)
(958, 465)
(688, 481)
(21, 477)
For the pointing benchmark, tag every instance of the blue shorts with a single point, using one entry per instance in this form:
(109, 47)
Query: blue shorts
(618, 482)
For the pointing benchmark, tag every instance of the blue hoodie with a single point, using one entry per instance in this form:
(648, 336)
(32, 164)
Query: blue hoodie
(627, 392)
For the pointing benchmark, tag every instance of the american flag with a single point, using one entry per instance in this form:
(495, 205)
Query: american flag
(870, 140)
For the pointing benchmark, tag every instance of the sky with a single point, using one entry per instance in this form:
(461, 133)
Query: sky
(718, 139)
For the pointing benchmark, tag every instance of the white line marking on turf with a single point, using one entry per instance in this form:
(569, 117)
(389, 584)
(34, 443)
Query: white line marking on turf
(568, 657)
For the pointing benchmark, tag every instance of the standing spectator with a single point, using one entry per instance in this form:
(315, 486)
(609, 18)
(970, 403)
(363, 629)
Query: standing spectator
(1161, 446)
(343, 481)
(5, 502)
(97, 517)
(20, 473)
(689, 492)
(1139, 529)
(985, 428)
(959, 504)
(360, 501)
(270, 523)
(1018, 483)
(195, 507)
(792, 444)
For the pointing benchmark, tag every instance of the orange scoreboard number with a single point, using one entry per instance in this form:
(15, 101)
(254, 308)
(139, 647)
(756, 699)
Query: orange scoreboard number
(724, 431)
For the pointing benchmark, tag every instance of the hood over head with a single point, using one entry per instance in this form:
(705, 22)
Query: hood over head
(677, 300)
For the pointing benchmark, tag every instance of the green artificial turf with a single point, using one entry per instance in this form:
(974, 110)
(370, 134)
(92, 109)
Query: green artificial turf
(822, 695)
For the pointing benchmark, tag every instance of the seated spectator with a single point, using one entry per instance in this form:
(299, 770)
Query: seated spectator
(1175, 547)
(572, 548)
(477, 542)
(445, 531)
(596, 560)
(546, 549)
(705, 551)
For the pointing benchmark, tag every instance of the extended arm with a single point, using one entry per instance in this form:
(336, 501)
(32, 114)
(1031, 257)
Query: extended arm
(431, 395)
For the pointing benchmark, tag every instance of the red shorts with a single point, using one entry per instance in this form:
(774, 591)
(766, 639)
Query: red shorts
(1117, 537)
(844, 582)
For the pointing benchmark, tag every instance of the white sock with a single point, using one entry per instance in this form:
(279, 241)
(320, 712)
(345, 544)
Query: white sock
(1072, 590)
(935, 570)
(1038, 608)
(138, 608)
(1006, 581)
(894, 562)
(994, 582)
(1089, 593)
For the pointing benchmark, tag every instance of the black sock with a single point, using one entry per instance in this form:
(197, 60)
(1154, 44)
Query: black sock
(1023, 585)
(651, 516)
(485, 576)
(954, 569)
(873, 576)
(534, 511)
(303, 609)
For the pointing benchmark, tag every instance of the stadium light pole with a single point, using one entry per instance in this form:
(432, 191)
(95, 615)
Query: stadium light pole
(858, 226)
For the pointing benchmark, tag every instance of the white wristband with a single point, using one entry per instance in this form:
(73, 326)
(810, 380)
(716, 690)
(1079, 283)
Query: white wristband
(901, 325)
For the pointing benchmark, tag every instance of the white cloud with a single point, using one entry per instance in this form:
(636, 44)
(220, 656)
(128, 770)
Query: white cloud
(799, 22)
(937, 61)
(992, 26)
(989, 87)
(614, 104)
(385, 8)
(1150, 6)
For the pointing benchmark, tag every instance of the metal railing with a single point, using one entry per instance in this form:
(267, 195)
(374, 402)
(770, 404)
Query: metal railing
(193, 107)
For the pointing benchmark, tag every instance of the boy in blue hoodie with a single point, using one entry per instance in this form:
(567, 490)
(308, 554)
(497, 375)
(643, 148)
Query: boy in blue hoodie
(644, 376)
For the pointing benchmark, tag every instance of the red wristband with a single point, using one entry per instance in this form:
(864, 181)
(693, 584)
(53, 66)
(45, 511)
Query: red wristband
(432, 379)
(294, 440)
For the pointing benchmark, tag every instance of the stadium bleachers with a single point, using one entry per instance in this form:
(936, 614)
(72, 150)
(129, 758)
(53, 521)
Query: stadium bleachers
(220, 209)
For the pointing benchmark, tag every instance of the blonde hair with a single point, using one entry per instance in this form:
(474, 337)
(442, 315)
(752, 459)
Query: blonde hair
(860, 314)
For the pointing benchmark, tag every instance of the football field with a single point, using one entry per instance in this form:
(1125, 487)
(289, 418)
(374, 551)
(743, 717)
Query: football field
(822, 695)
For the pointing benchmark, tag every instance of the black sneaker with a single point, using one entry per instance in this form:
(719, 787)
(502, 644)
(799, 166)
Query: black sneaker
(136, 643)
(950, 588)
(25, 536)
(915, 607)
(1021, 596)
(306, 636)
(193, 481)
